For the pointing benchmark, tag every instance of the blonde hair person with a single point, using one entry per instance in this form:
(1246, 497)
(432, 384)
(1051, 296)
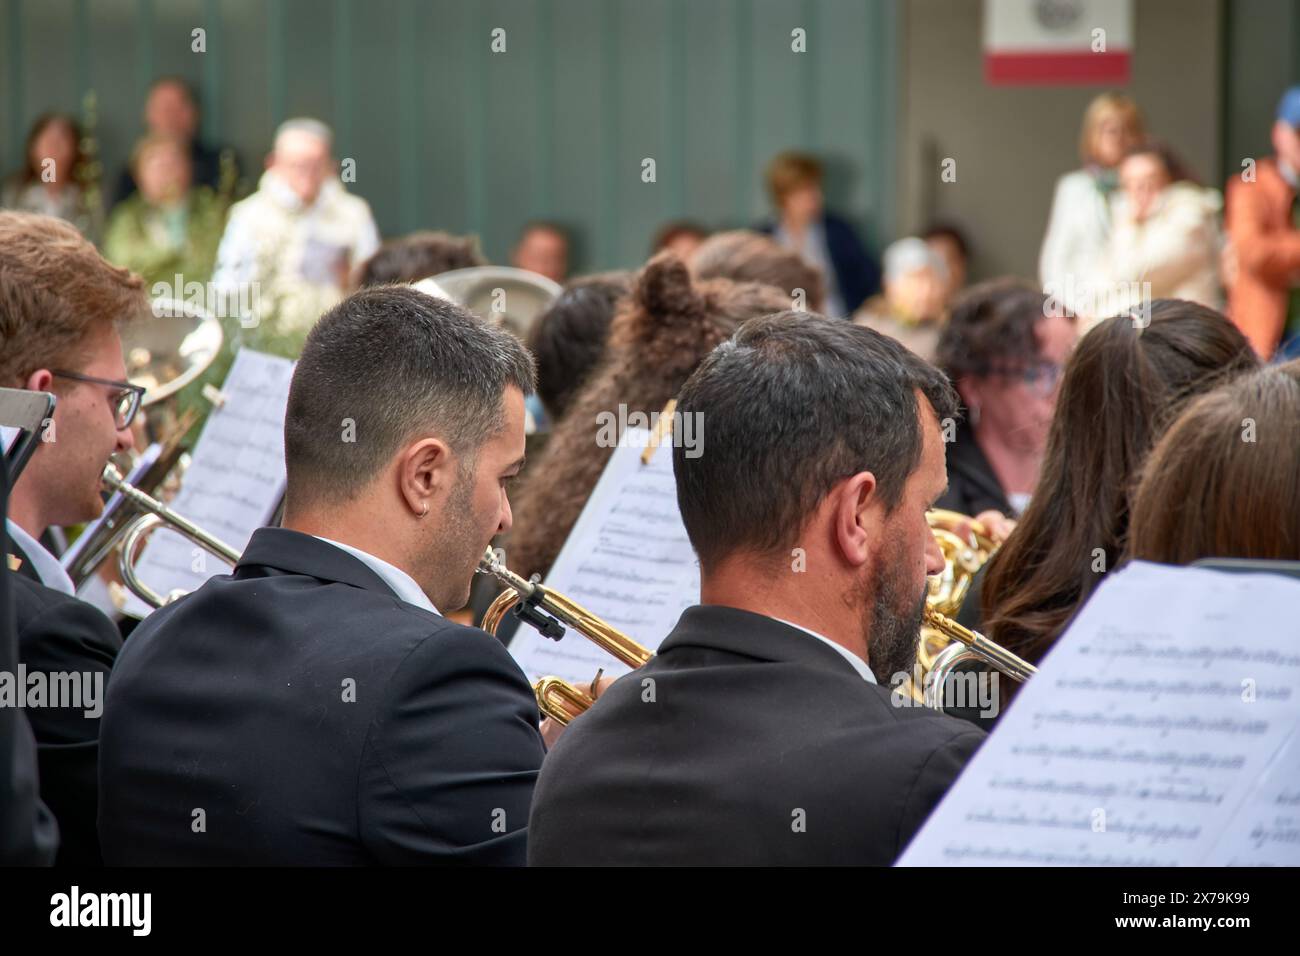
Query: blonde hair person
(1079, 223)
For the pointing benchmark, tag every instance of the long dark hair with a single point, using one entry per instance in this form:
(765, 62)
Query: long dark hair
(1125, 381)
(1224, 481)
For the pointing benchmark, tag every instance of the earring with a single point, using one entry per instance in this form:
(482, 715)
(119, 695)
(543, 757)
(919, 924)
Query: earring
(973, 414)
(425, 511)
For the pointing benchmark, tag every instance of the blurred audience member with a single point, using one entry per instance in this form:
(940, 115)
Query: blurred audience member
(1240, 481)
(172, 110)
(169, 227)
(681, 237)
(911, 307)
(1080, 219)
(49, 183)
(568, 339)
(794, 181)
(543, 248)
(1123, 384)
(419, 256)
(1263, 221)
(298, 237)
(951, 245)
(744, 256)
(1164, 231)
(1005, 356)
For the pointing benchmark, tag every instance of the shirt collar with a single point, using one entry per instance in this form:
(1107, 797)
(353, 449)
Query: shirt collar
(858, 663)
(403, 584)
(46, 565)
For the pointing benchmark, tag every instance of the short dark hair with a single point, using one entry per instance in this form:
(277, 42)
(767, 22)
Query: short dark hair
(990, 329)
(946, 230)
(790, 405)
(568, 339)
(393, 362)
(419, 256)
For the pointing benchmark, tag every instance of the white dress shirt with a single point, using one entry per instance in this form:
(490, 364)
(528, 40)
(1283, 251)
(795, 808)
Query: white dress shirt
(858, 663)
(402, 583)
(45, 565)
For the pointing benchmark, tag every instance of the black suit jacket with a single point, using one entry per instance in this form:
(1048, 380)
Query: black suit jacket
(972, 485)
(761, 746)
(229, 736)
(60, 633)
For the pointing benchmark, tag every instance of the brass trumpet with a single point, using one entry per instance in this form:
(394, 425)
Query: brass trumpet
(155, 515)
(550, 613)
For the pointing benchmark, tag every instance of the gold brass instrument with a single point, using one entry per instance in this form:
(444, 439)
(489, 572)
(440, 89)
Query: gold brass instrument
(967, 646)
(962, 557)
(550, 613)
(155, 515)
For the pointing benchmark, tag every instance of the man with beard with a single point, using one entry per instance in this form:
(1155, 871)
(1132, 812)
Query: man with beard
(764, 731)
(315, 707)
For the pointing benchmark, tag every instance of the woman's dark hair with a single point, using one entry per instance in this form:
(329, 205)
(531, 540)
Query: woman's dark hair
(1224, 481)
(990, 328)
(419, 256)
(568, 339)
(1125, 381)
(670, 231)
(31, 173)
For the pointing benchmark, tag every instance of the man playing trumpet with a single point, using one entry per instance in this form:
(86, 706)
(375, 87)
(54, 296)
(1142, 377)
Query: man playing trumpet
(764, 731)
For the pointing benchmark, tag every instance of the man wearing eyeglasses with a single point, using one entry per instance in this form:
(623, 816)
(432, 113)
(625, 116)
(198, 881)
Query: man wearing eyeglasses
(60, 308)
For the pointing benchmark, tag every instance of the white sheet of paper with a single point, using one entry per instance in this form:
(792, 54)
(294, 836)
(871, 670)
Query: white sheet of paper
(235, 479)
(627, 560)
(1163, 729)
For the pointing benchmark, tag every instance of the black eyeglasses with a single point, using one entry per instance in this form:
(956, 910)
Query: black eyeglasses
(126, 400)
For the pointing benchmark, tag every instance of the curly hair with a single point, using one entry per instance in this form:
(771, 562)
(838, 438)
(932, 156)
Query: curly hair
(662, 331)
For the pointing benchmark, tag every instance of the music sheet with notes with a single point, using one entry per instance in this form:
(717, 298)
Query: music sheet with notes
(235, 479)
(627, 560)
(1163, 729)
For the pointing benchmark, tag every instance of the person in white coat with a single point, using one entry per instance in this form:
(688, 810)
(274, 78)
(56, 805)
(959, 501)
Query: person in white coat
(1079, 225)
(289, 248)
(1165, 237)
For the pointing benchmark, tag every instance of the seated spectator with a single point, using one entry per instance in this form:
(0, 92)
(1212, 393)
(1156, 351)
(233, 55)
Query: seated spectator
(911, 307)
(568, 339)
(1164, 237)
(681, 236)
(419, 256)
(172, 110)
(794, 181)
(951, 245)
(543, 248)
(1223, 480)
(298, 238)
(744, 256)
(169, 227)
(51, 182)
(1004, 353)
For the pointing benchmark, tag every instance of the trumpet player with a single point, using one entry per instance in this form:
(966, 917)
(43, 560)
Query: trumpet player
(60, 308)
(315, 707)
(764, 731)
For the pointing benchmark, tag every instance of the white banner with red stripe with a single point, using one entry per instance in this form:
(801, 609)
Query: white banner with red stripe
(1057, 42)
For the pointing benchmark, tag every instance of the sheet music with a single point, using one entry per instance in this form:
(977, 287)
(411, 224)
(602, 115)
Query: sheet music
(235, 479)
(627, 560)
(1163, 729)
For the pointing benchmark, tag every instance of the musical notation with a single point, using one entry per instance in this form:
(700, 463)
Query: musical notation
(1156, 732)
(235, 479)
(627, 560)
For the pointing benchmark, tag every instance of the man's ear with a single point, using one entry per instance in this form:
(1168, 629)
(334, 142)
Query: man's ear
(426, 471)
(40, 380)
(857, 515)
